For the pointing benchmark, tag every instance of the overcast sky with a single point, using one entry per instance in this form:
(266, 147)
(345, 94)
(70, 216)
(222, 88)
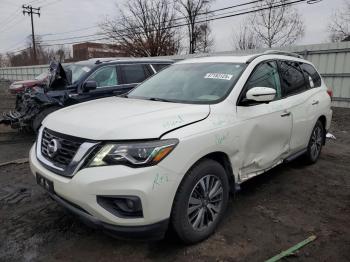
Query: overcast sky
(60, 16)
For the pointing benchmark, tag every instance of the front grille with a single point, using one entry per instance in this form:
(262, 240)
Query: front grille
(66, 151)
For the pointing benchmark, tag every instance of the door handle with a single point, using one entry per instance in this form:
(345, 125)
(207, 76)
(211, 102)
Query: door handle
(285, 114)
(315, 103)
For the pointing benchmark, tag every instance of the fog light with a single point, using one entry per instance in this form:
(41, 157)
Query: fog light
(122, 206)
(130, 204)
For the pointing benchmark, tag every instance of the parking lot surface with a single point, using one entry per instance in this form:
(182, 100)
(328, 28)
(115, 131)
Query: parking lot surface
(271, 213)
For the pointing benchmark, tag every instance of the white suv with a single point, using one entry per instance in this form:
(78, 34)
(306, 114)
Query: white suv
(170, 151)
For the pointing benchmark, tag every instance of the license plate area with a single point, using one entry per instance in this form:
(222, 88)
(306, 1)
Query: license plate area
(44, 183)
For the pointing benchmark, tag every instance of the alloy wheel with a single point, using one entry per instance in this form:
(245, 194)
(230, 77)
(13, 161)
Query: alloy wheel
(205, 202)
(316, 142)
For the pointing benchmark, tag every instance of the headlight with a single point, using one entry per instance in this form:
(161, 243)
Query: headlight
(135, 154)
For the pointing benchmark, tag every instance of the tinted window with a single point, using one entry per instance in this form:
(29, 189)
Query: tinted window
(265, 75)
(105, 76)
(312, 77)
(292, 78)
(159, 67)
(191, 83)
(133, 73)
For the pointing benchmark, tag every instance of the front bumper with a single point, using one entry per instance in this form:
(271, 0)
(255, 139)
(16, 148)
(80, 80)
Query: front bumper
(155, 186)
(154, 231)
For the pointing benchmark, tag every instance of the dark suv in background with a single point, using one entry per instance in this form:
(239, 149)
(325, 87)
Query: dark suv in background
(80, 82)
(96, 78)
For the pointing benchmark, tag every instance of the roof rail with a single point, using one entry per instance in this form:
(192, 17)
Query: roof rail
(276, 52)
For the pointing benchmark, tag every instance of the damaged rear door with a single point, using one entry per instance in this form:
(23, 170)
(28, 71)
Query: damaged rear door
(266, 126)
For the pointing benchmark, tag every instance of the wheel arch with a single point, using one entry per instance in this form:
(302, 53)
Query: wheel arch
(323, 120)
(223, 159)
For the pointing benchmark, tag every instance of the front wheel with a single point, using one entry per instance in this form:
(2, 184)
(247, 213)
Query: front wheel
(315, 143)
(200, 202)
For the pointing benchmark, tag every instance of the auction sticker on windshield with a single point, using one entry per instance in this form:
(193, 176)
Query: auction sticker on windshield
(218, 76)
(86, 69)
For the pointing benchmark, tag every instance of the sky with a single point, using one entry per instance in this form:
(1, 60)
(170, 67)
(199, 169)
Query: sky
(65, 18)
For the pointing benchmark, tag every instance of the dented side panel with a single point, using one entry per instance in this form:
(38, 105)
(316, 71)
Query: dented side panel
(266, 131)
(253, 138)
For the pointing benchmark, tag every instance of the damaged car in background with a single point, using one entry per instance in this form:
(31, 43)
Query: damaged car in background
(76, 83)
(19, 87)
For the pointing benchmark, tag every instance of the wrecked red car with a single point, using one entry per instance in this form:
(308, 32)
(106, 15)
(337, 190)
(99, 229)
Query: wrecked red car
(20, 86)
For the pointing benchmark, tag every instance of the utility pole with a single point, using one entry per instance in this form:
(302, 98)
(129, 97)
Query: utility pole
(28, 9)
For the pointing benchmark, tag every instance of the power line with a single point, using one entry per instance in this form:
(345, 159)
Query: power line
(18, 51)
(10, 18)
(284, 3)
(90, 27)
(176, 19)
(13, 23)
(14, 46)
(72, 31)
(222, 16)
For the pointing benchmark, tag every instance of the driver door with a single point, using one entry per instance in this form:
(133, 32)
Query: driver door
(107, 81)
(266, 127)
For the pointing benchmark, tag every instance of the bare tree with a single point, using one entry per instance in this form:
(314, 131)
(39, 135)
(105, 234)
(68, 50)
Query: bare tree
(61, 53)
(44, 55)
(198, 34)
(279, 26)
(339, 27)
(145, 28)
(204, 38)
(245, 38)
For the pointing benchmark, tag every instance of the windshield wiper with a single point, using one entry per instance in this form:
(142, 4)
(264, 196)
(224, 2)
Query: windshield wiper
(123, 95)
(158, 99)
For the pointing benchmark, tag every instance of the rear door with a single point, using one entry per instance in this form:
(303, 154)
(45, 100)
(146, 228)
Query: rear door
(266, 127)
(299, 99)
(132, 74)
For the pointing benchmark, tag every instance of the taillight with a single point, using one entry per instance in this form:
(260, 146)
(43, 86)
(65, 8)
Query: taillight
(330, 92)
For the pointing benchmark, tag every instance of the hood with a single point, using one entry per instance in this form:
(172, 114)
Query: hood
(117, 118)
(26, 82)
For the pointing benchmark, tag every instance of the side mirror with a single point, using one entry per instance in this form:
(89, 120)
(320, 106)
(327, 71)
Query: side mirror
(261, 94)
(89, 85)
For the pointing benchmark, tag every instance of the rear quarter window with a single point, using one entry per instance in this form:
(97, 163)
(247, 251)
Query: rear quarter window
(159, 67)
(292, 78)
(313, 79)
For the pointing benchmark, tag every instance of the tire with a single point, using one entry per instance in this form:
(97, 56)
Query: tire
(187, 215)
(36, 123)
(315, 143)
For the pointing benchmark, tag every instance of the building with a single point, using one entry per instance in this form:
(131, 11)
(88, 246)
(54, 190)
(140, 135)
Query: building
(89, 50)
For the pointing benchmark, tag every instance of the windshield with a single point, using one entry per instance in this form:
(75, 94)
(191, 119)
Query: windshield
(78, 71)
(190, 83)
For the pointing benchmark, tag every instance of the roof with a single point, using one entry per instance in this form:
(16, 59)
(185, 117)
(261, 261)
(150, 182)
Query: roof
(112, 60)
(245, 58)
(217, 59)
